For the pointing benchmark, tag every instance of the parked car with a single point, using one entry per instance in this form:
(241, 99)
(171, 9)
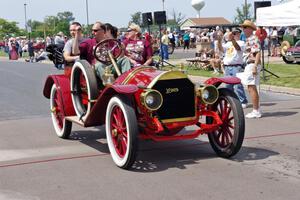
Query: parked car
(289, 41)
(144, 103)
(292, 54)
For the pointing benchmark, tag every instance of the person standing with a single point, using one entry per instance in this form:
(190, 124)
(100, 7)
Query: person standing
(30, 50)
(252, 69)
(274, 41)
(164, 45)
(233, 62)
(186, 41)
(13, 49)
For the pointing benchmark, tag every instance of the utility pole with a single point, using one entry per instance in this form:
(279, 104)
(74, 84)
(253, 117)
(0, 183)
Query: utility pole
(87, 12)
(246, 9)
(163, 4)
(25, 17)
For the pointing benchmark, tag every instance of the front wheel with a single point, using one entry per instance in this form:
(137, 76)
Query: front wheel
(287, 61)
(121, 131)
(61, 126)
(228, 139)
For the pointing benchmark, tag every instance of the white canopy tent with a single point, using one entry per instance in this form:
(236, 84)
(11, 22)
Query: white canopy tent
(285, 14)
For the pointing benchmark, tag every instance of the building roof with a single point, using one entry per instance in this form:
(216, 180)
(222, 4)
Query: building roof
(206, 22)
(210, 20)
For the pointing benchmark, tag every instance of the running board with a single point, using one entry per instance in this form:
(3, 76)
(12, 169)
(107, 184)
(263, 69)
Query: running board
(75, 119)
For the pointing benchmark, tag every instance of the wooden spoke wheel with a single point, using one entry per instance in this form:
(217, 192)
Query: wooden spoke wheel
(121, 131)
(228, 139)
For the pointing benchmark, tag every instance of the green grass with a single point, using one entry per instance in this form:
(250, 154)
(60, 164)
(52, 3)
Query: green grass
(3, 54)
(289, 74)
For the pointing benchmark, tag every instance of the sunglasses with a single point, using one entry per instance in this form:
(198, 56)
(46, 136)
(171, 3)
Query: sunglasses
(96, 30)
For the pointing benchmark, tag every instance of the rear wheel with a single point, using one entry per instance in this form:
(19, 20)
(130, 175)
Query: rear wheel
(228, 139)
(61, 126)
(121, 131)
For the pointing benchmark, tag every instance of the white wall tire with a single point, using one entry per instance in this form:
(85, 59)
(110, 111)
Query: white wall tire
(61, 126)
(83, 98)
(121, 131)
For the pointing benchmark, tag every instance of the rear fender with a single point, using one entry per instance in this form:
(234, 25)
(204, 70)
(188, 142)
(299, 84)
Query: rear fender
(98, 112)
(218, 81)
(63, 87)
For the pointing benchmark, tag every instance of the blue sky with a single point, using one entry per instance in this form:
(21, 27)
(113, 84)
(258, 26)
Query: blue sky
(116, 12)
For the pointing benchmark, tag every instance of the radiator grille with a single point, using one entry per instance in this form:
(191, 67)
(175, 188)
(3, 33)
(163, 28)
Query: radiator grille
(178, 98)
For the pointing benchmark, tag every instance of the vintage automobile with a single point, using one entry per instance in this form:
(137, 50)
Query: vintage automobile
(292, 54)
(144, 103)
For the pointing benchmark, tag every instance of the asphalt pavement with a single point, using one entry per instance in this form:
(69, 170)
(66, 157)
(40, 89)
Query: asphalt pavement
(36, 164)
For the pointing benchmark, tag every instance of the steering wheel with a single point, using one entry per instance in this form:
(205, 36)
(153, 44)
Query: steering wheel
(106, 47)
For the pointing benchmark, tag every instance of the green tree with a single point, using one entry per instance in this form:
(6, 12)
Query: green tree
(64, 20)
(136, 18)
(37, 28)
(50, 24)
(8, 29)
(243, 13)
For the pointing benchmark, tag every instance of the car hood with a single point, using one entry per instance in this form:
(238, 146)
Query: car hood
(146, 77)
(294, 49)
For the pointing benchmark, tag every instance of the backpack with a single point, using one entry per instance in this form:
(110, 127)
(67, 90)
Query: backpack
(55, 53)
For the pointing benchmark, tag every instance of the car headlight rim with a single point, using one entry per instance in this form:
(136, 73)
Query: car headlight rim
(152, 99)
(208, 94)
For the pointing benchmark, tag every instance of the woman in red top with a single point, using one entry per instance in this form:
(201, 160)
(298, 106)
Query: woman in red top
(137, 50)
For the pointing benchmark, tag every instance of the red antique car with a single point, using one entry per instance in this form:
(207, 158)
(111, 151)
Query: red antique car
(144, 103)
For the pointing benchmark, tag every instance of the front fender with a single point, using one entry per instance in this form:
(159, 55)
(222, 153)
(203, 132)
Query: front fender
(216, 81)
(62, 83)
(98, 112)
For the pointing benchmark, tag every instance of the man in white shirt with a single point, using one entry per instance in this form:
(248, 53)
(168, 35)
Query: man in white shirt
(233, 61)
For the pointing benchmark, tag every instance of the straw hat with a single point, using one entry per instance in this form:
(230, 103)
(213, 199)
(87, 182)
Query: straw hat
(134, 27)
(248, 23)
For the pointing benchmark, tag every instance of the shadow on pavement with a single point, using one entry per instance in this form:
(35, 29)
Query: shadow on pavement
(168, 155)
(268, 104)
(278, 114)
(162, 160)
(252, 153)
(91, 137)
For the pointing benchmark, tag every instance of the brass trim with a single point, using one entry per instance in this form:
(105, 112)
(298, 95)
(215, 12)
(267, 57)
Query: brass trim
(114, 63)
(167, 75)
(178, 119)
(133, 73)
